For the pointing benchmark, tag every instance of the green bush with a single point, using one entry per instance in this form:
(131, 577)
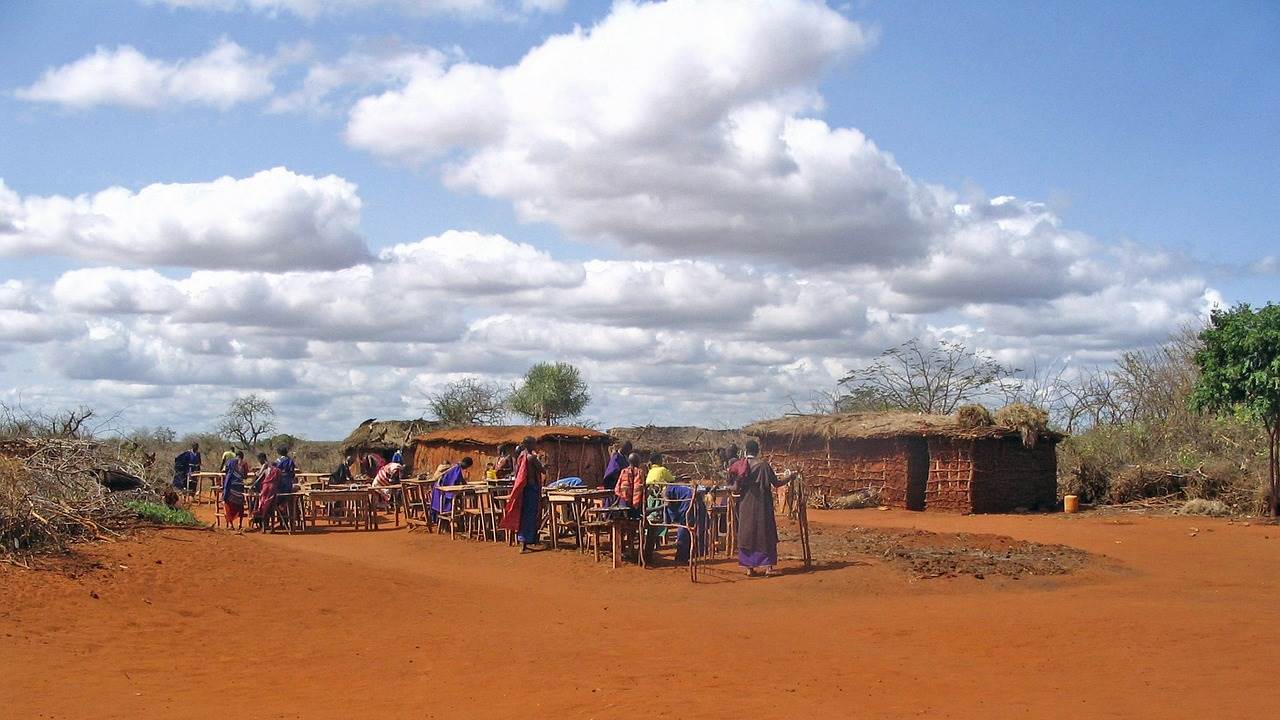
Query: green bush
(163, 514)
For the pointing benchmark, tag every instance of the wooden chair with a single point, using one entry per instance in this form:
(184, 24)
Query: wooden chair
(476, 514)
(623, 531)
(454, 515)
(415, 497)
(687, 514)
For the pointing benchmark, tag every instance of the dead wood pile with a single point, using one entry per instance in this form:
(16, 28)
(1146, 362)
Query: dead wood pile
(51, 493)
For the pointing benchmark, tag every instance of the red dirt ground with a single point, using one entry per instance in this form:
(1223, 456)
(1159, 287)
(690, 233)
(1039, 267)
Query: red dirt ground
(395, 625)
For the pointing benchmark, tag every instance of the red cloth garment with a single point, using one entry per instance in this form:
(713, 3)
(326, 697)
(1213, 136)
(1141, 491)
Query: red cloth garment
(234, 513)
(515, 503)
(630, 487)
(524, 508)
(267, 498)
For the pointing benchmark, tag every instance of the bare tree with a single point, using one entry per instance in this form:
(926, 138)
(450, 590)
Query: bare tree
(17, 421)
(929, 380)
(248, 419)
(469, 402)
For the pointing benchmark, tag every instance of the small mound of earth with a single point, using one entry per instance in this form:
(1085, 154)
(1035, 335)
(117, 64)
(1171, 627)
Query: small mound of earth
(934, 555)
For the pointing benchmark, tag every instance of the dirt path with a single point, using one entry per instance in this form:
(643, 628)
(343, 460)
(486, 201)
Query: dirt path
(388, 624)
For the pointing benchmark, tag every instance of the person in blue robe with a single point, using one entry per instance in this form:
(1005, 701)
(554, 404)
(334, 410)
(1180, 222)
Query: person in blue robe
(184, 466)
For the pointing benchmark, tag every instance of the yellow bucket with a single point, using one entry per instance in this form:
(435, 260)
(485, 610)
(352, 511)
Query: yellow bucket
(1070, 503)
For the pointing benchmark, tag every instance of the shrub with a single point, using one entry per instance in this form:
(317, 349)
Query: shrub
(163, 514)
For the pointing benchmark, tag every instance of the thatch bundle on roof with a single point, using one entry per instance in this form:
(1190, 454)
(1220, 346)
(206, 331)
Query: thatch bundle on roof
(972, 416)
(386, 435)
(1030, 421)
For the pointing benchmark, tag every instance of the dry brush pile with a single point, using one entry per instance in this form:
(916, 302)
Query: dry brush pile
(52, 493)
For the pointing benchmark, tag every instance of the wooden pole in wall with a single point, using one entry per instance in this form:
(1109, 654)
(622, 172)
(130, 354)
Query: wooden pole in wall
(802, 515)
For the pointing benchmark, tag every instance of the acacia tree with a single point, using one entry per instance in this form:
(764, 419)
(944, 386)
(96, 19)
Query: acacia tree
(469, 402)
(929, 380)
(550, 392)
(248, 419)
(1240, 374)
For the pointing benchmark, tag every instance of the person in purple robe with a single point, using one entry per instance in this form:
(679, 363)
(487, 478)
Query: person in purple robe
(184, 466)
(754, 481)
(617, 461)
(442, 502)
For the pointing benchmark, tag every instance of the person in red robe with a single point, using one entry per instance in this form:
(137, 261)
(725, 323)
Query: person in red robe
(523, 514)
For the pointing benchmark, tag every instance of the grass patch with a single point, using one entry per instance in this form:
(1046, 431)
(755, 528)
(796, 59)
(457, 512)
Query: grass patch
(163, 514)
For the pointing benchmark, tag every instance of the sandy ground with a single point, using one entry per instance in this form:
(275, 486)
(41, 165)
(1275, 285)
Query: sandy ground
(189, 624)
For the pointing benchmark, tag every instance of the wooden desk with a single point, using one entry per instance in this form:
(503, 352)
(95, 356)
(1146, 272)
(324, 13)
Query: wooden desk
(575, 500)
(357, 499)
(199, 479)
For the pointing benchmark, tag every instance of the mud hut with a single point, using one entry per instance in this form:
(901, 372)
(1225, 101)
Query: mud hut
(384, 437)
(914, 461)
(688, 451)
(570, 451)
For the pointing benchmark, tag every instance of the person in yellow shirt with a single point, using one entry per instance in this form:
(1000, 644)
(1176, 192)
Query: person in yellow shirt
(658, 473)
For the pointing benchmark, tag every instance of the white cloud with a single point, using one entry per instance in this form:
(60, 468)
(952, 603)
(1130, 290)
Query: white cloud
(226, 75)
(650, 131)
(375, 64)
(275, 218)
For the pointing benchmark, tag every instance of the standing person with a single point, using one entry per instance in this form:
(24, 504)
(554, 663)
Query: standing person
(629, 489)
(288, 471)
(658, 473)
(398, 456)
(442, 502)
(341, 475)
(233, 487)
(261, 473)
(184, 466)
(754, 480)
(506, 466)
(523, 514)
(617, 462)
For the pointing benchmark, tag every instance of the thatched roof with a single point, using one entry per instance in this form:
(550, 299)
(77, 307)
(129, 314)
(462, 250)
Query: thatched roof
(375, 434)
(678, 439)
(876, 425)
(499, 434)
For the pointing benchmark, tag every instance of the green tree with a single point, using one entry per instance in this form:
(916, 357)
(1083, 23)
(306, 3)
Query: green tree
(550, 392)
(1240, 374)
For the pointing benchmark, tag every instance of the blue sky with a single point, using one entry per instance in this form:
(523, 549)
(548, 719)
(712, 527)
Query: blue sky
(1152, 127)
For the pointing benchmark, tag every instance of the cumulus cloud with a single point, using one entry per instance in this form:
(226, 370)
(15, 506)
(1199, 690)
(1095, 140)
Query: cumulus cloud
(276, 218)
(311, 9)
(375, 64)
(225, 76)
(650, 131)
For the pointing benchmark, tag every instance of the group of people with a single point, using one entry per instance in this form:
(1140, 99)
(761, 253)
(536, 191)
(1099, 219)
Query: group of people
(632, 477)
(751, 479)
(270, 479)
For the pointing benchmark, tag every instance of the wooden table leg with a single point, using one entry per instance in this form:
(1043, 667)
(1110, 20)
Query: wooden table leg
(615, 542)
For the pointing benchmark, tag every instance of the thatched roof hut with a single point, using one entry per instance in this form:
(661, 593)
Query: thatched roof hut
(915, 461)
(384, 437)
(687, 450)
(571, 451)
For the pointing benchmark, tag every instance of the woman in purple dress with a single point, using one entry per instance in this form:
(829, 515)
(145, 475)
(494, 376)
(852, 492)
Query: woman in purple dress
(754, 480)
